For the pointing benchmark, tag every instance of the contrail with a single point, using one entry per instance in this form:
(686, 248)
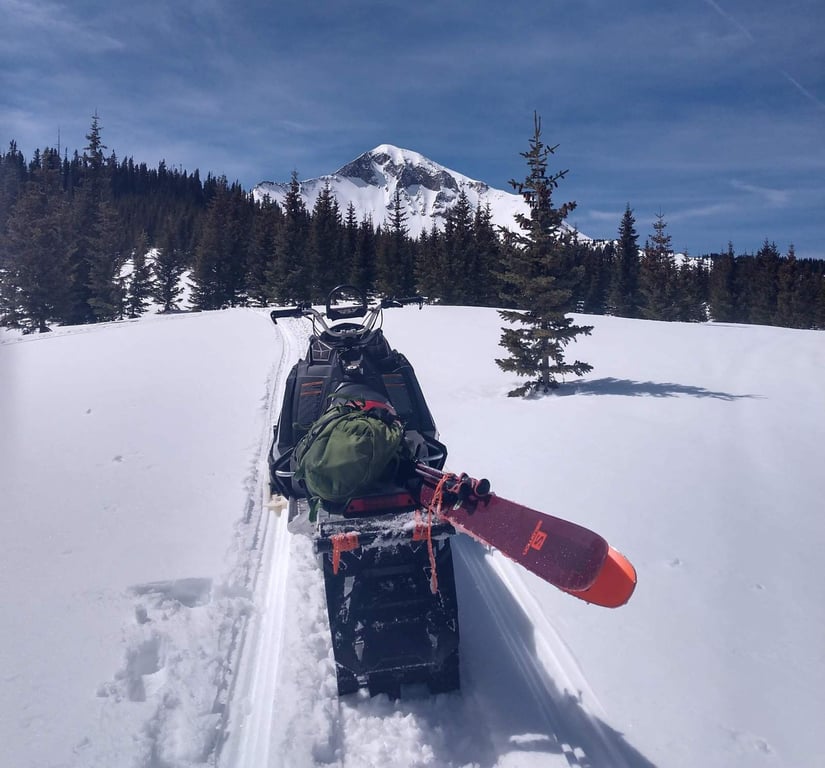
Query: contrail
(725, 15)
(747, 33)
(804, 91)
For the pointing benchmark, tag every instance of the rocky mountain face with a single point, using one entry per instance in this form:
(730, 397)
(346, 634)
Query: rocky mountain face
(426, 189)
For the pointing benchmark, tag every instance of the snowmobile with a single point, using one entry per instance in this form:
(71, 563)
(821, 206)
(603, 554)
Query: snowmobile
(387, 565)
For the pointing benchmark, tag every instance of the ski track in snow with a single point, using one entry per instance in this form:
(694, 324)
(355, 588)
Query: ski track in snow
(283, 700)
(188, 634)
(271, 549)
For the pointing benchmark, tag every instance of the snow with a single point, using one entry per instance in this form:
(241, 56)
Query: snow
(422, 207)
(156, 614)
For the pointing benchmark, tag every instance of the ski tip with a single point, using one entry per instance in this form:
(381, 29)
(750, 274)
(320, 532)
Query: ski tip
(615, 584)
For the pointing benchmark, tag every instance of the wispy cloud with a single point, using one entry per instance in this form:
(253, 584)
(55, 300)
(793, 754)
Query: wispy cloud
(778, 198)
(52, 26)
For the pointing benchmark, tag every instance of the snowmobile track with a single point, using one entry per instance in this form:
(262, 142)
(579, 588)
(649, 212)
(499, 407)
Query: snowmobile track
(251, 699)
(551, 672)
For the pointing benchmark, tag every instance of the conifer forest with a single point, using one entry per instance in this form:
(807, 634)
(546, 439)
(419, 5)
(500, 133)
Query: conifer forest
(90, 237)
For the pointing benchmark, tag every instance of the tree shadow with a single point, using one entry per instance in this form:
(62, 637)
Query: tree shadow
(629, 388)
(509, 703)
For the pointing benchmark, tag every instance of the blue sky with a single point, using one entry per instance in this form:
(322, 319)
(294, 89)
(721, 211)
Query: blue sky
(711, 112)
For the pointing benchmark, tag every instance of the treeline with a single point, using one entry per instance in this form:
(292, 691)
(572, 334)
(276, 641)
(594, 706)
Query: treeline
(91, 238)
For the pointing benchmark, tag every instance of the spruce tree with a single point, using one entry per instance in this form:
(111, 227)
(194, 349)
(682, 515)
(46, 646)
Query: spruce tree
(429, 265)
(488, 254)
(266, 221)
(96, 255)
(362, 268)
(105, 260)
(33, 290)
(541, 279)
(140, 284)
(220, 264)
(325, 246)
(349, 242)
(722, 288)
(396, 263)
(658, 275)
(169, 266)
(692, 291)
(763, 285)
(597, 261)
(458, 270)
(624, 285)
(289, 278)
(787, 307)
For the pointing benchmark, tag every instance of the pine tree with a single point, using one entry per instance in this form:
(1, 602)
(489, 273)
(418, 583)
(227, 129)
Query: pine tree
(96, 256)
(396, 266)
(429, 275)
(212, 288)
(13, 176)
(820, 304)
(597, 260)
(657, 275)
(691, 291)
(362, 268)
(349, 243)
(458, 269)
(624, 285)
(762, 293)
(486, 287)
(266, 222)
(540, 277)
(36, 243)
(169, 266)
(105, 260)
(140, 284)
(809, 276)
(325, 246)
(722, 289)
(787, 311)
(289, 276)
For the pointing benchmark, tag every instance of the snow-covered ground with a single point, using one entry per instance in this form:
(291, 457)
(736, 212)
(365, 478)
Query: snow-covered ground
(155, 615)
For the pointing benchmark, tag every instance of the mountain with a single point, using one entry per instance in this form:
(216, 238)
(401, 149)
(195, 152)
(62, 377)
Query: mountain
(428, 190)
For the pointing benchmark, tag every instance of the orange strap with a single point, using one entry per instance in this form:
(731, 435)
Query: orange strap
(424, 530)
(342, 542)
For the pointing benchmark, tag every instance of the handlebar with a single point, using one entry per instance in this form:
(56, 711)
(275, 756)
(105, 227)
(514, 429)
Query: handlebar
(297, 311)
(392, 302)
(370, 314)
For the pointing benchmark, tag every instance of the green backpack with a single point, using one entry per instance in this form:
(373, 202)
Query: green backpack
(347, 451)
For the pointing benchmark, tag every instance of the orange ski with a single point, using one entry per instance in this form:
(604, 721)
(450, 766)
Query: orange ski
(613, 586)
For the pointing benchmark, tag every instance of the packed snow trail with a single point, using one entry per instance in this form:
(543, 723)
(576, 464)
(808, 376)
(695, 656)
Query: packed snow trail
(511, 711)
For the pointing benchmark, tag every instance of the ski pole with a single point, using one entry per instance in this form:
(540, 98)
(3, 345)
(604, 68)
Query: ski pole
(462, 486)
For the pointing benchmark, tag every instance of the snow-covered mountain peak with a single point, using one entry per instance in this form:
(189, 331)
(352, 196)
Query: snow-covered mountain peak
(392, 166)
(427, 190)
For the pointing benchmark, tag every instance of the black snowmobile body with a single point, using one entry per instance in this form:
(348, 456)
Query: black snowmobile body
(389, 626)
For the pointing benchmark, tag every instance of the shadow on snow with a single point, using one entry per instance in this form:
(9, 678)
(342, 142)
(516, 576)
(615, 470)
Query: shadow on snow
(508, 703)
(629, 388)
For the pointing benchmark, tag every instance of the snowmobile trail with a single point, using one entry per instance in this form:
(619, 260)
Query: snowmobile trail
(524, 701)
(567, 712)
(252, 694)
